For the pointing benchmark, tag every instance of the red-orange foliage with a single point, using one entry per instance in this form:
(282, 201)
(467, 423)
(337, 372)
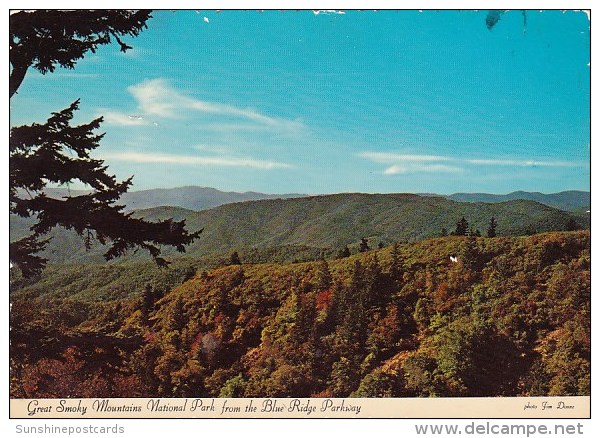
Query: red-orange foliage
(324, 299)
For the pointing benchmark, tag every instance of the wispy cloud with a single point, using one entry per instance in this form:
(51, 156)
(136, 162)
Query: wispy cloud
(398, 169)
(122, 119)
(244, 127)
(401, 163)
(196, 160)
(391, 157)
(158, 98)
(524, 163)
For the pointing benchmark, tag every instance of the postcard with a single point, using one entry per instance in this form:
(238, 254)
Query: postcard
(300, 214)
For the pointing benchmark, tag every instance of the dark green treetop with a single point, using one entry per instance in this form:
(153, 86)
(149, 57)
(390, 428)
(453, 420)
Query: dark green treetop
(57, 152)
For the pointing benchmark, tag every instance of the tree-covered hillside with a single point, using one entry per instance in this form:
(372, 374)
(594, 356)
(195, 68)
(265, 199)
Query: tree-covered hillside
(327, 223)
(202, 198)
(188, 197)
(569, 200)
(509, 317)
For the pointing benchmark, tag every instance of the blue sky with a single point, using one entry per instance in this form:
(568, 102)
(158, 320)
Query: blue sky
(390, 101)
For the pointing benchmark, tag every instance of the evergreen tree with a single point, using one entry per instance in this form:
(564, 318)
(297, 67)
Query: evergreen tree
(336, 313)
(56, 152)
(397, 266)
(364, 245)
(380, 245)
(147, 303)
(234, 258)
(354, 312)
(303, 329)
(491, 231)
(444, 232)
(462, 227)
(571, 225)
(469, 254)
(324, 277)
(375, 298)
(176, 319)
(45, 39)
(343, 253)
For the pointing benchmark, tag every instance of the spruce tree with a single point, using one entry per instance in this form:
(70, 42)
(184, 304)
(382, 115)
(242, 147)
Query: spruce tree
(470, 254)
(374, 285)
(324, 278)
(147, 303)
(491, 231)
(58, 152)
(343, 253)
(46, 39)
(462, 227)
(234, 258)
(364, 245)
(354, 311)
(397, 266)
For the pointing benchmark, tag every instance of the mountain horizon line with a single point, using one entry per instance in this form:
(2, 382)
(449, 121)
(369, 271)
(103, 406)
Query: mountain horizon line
(197, 198)
(239, 191)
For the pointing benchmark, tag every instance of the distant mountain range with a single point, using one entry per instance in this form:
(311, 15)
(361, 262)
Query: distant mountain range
(202, 198)
(328, 222)
(571, 200)
(188, 197)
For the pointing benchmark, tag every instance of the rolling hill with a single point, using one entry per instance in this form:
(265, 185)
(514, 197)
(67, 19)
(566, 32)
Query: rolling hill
(191, 198)
(328, 222)
(571, 200)
(188, 197)
(202, 198)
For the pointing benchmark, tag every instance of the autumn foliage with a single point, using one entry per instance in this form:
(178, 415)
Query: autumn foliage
(511, 317)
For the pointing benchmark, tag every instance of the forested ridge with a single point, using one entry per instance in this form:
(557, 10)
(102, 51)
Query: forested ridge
(323, 223)
(452, 316)
(202, 198)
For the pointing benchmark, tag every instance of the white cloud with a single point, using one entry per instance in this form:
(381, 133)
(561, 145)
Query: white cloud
(229, 127)
(524, 163)
(391, 157)
(399, 169)
(156, 97)
(328, 11)
(122, 119)
(137, 157)
(401, 163)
